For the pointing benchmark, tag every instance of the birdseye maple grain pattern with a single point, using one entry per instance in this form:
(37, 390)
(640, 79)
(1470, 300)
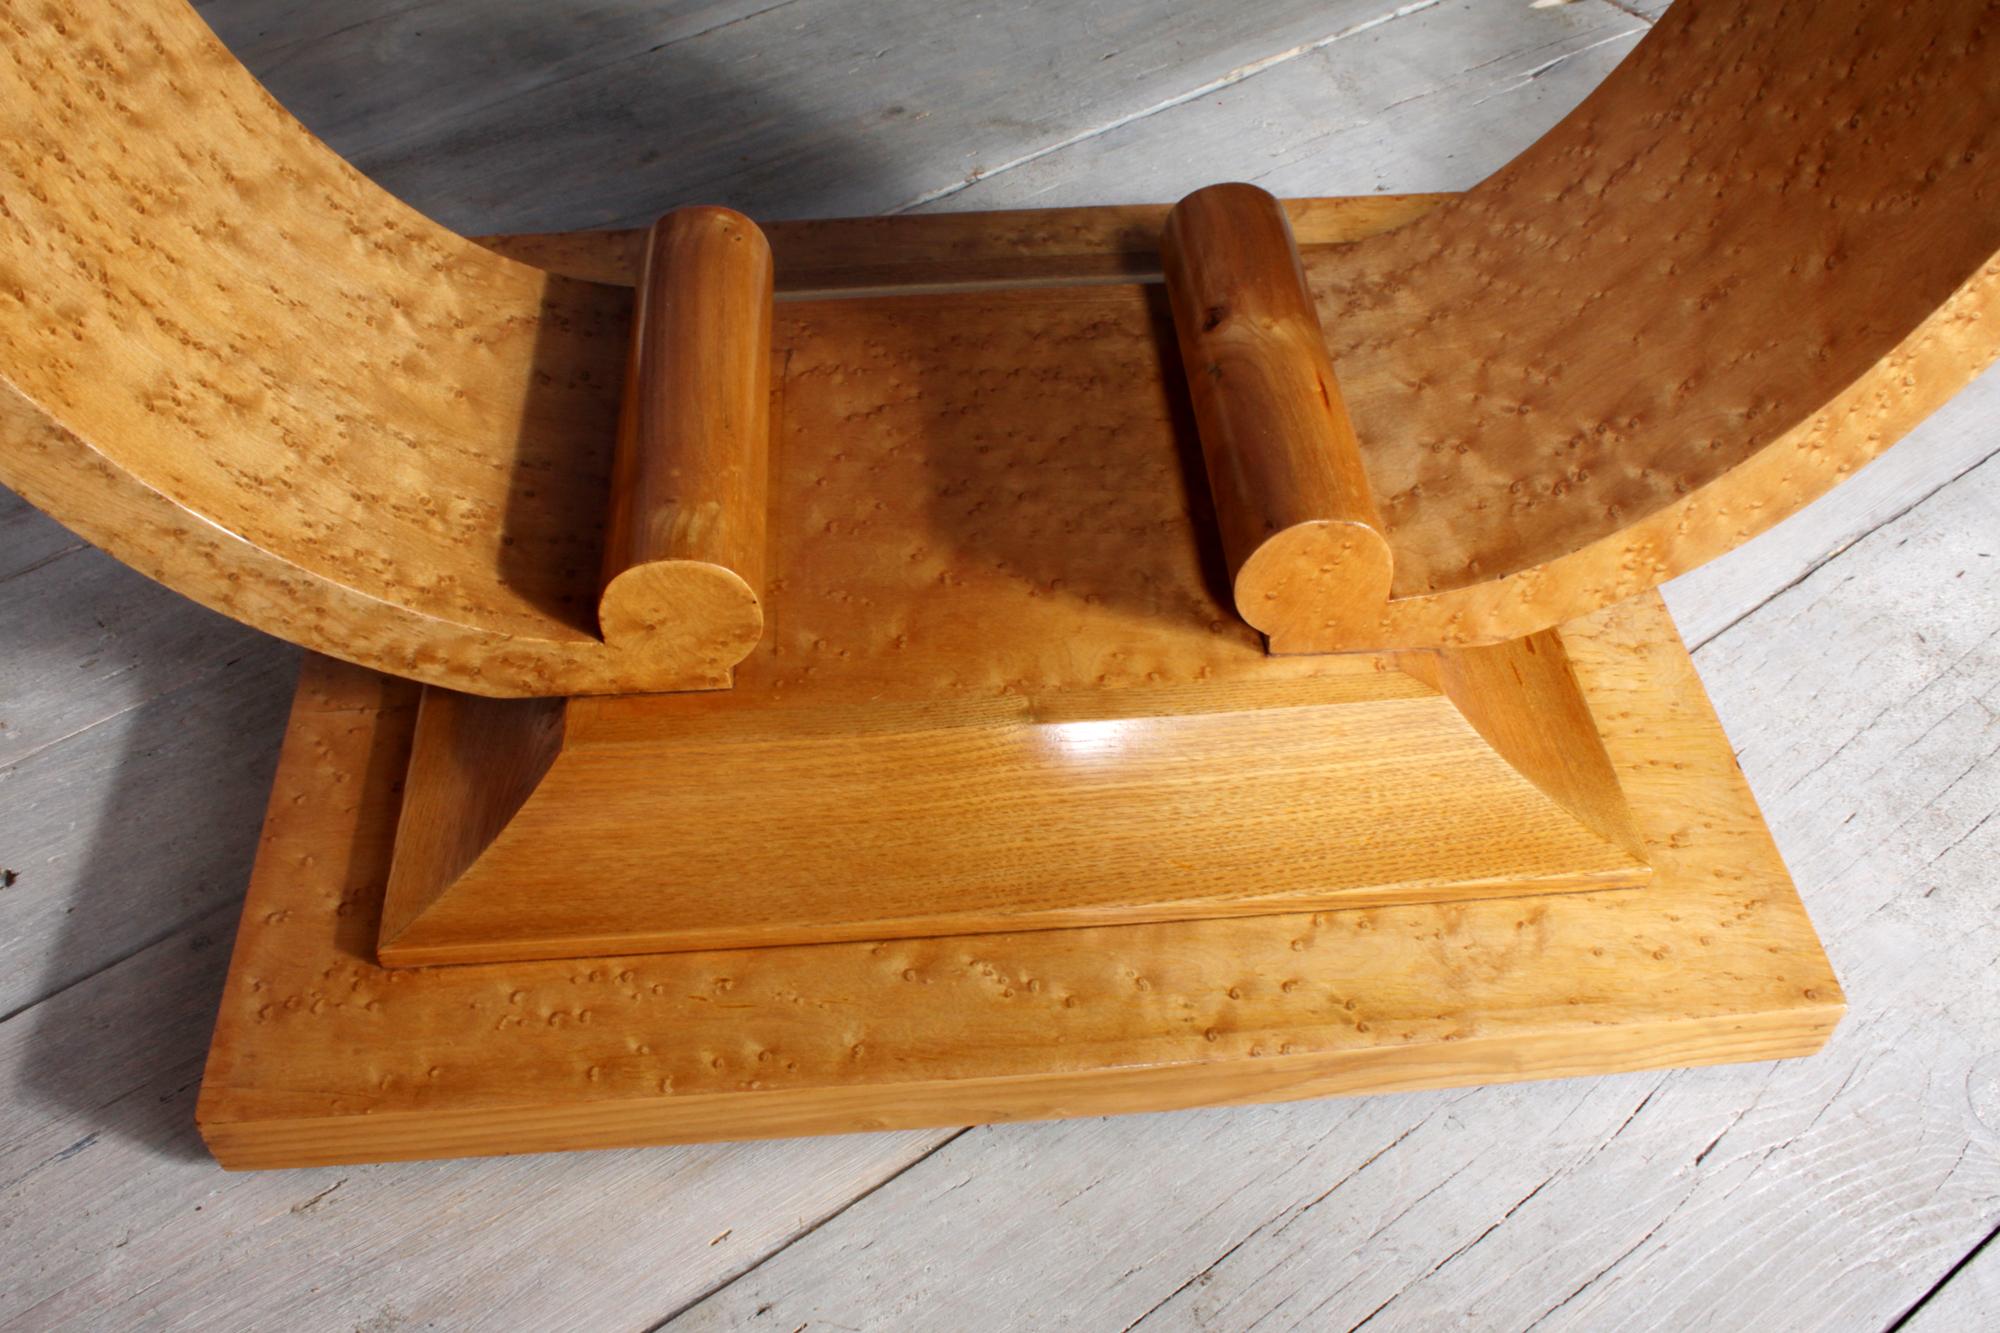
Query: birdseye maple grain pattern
(1757, 255)
(1752, 259)
(321, 1055)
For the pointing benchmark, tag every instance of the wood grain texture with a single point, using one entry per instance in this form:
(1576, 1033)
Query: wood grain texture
(1830, 1192)
(1812, 452)
(474, 763)
(1800, 294)
(407, 467)
(88, 638)
(1523, 697)
(1300, 530)
(469, 561)
(994, 611)
(1853, 1151)
(1003, 248)
(1431, 100)
(824, 815)
(111, 1212)
(1429, 71)
(856, 113)
(118, 625)
(1968, 1297)
(1817, 1208)
(1951, 445)
(150, 795)
(1715, 961)
(684, 548)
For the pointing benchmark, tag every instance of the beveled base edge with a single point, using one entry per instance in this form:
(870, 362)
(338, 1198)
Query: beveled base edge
(1466, 775)
(321, 1056)
(734, 1117)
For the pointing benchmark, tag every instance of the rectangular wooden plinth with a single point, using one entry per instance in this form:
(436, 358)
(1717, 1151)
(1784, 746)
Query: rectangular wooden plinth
(1003, 685)
(323, 1056)
(718, 822)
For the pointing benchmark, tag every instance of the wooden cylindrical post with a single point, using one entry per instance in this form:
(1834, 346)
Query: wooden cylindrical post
(684, 546)
(1308, 554)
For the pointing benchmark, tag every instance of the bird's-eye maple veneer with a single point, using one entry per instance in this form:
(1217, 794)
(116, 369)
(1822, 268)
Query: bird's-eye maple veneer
(935, 669)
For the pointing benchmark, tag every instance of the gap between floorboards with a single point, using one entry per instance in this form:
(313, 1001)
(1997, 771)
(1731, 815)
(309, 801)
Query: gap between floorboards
(794, 1239)
(1964, 1261)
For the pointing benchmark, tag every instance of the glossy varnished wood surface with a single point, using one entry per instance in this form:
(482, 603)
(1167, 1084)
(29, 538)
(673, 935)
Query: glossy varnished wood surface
(1802, 295)
(717, 822)
(348, 426)
(1003, 248)
(474, 762)
(1003, 685)
(1309, 563)
(684, 547)
(1756, 256)
(398, 453)
(1836, 1196)
(320, 1055)
(1523, 698)
(287, 394)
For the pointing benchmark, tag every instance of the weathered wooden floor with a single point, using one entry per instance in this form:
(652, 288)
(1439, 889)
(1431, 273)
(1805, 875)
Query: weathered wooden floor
(1854, 654)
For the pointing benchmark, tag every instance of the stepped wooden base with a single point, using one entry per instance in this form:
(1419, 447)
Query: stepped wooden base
(321, 1055)
(733, 819)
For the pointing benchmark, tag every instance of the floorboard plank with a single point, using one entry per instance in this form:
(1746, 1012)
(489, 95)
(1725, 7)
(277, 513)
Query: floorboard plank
(1956, 439)
(87, 638)
(123, 833)
(1437, 99)
(368, 74)
(1969, 1298)
(27, 539)
(831, 110)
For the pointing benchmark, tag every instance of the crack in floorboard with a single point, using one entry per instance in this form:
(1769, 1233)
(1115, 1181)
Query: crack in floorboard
(1227, 80)
(1964, 1261)
(732, 1279)
(368, 156)
(1694, 649)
